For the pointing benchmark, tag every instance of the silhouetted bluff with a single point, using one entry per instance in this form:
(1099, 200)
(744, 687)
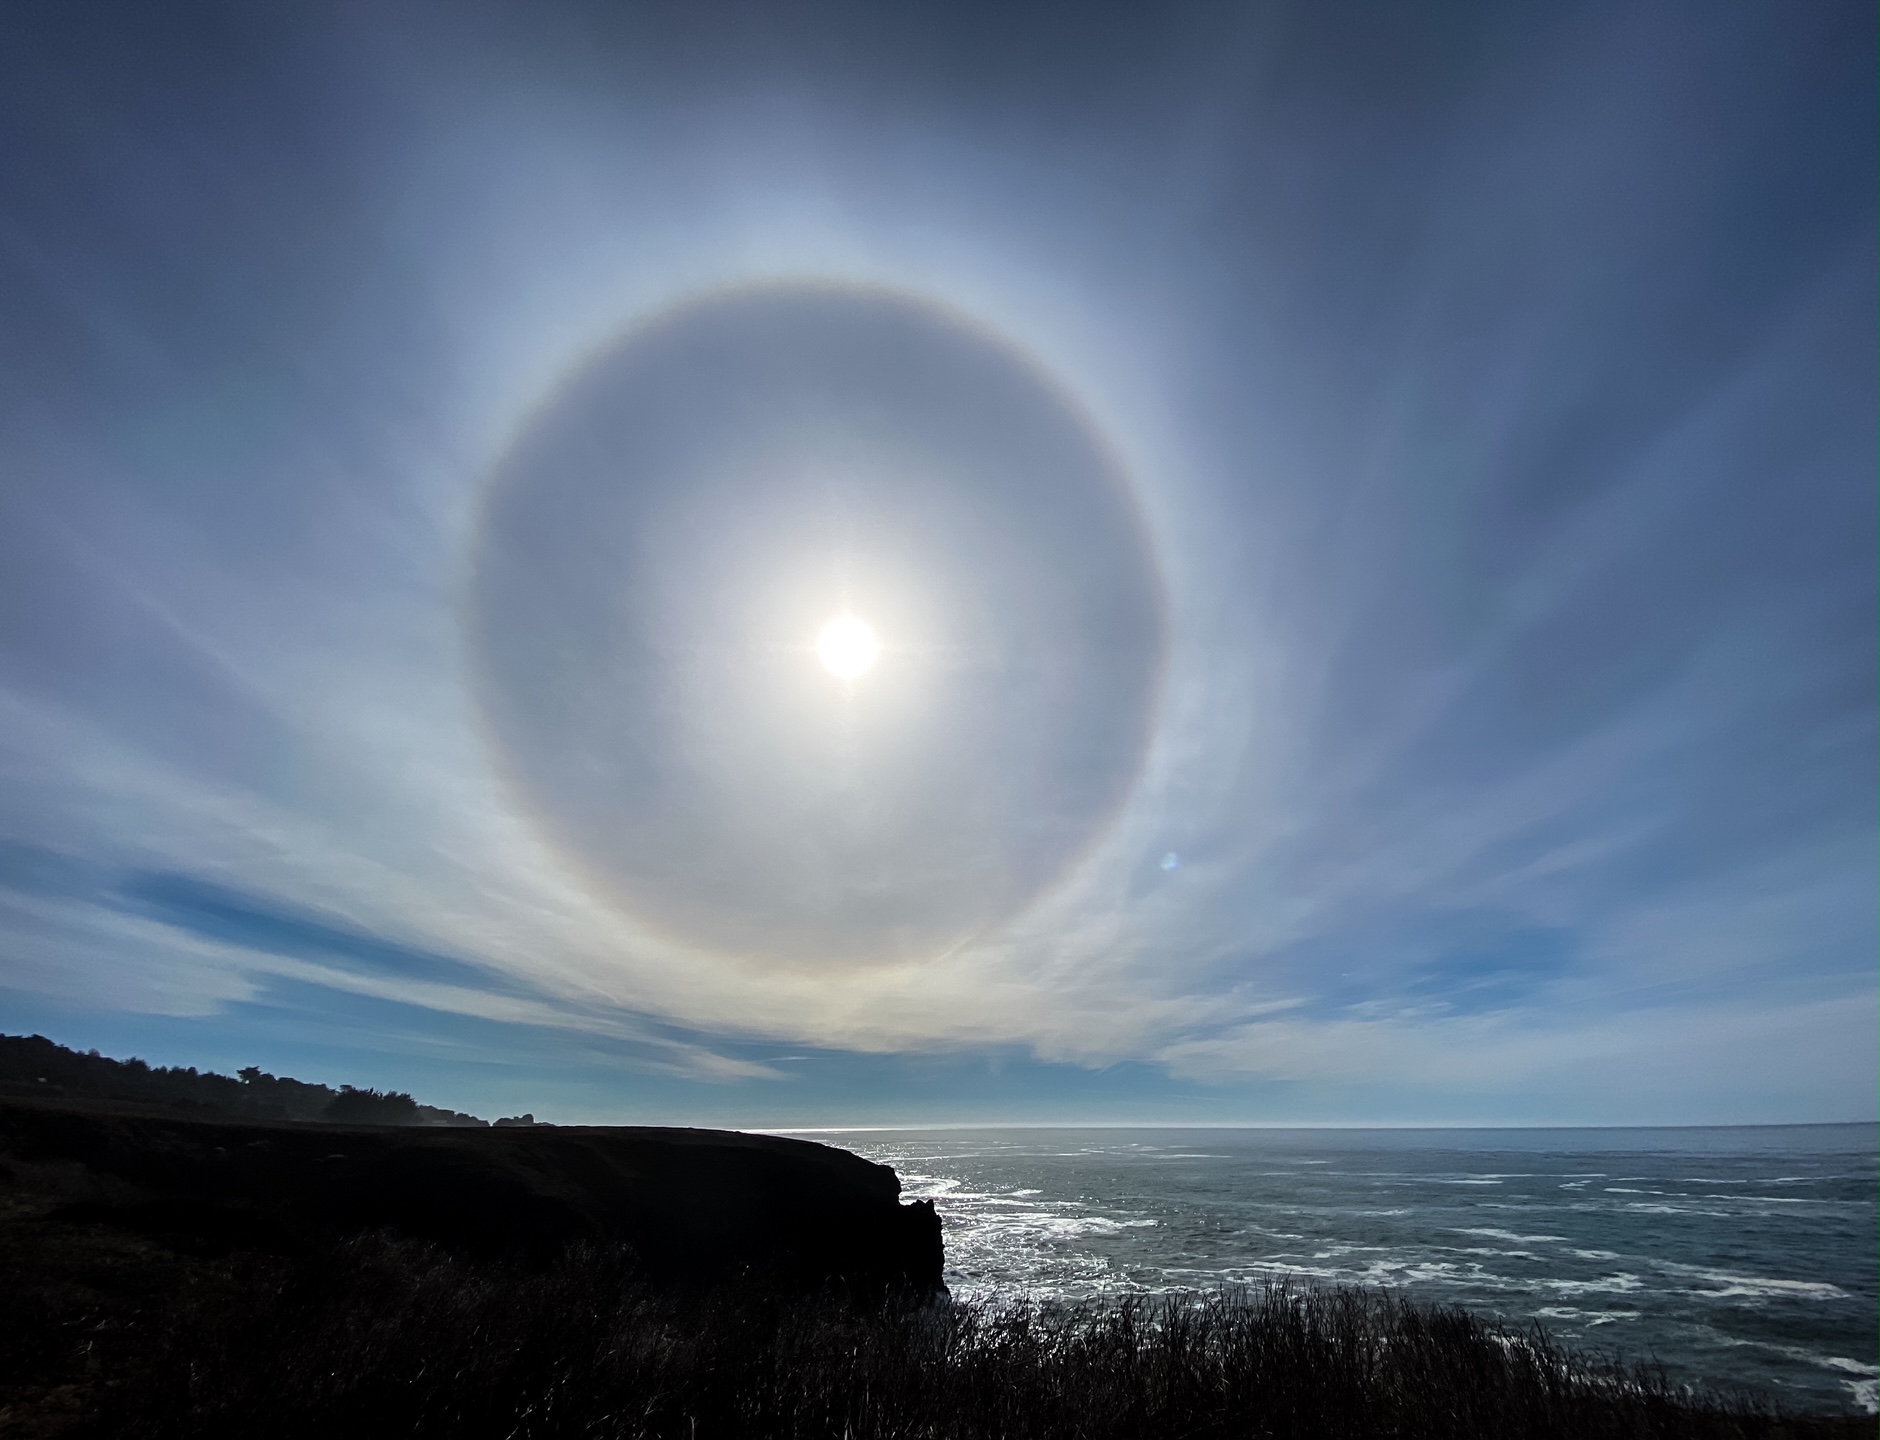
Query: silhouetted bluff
(208, 1164)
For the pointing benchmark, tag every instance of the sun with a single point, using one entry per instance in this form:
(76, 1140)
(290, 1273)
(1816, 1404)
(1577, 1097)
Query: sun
(847, 647)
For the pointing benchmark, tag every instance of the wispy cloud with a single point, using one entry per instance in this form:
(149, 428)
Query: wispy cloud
(1504, 423)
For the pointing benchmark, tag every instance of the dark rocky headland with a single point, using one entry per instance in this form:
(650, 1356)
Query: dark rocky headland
(695, 1206)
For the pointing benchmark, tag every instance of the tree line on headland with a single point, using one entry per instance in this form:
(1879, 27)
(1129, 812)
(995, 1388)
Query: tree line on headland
(32, 1065)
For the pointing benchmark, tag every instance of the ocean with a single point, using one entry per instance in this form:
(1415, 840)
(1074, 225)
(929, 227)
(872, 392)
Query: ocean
(1734, 1257)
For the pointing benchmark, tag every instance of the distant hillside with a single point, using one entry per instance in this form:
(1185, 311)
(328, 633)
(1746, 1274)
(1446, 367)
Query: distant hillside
(34, 1065)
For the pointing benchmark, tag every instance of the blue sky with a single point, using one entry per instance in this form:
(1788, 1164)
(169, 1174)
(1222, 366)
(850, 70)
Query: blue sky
(1370, 512)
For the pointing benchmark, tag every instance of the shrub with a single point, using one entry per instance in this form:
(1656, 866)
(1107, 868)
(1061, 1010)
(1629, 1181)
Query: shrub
(383, 1337)
(371, 1107)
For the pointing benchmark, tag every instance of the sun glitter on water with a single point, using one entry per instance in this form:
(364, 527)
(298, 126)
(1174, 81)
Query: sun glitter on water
(847, 647)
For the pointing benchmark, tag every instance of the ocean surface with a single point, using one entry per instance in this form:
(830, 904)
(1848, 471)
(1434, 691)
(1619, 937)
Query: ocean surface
(1735, 1257)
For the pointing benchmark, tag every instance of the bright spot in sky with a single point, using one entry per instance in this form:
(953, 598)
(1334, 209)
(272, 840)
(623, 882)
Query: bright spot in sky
(847, 647)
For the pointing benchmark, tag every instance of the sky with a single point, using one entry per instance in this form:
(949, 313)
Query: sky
(1364, 517)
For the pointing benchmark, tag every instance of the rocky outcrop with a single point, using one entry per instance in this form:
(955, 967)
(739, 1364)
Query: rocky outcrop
(695, 1205)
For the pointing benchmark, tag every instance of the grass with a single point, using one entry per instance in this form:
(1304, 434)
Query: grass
(379, 1336)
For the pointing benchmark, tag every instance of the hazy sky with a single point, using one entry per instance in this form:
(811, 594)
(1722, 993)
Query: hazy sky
(1367, 511)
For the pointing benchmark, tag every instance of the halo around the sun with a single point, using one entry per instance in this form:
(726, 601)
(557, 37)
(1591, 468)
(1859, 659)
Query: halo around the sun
(815, 623)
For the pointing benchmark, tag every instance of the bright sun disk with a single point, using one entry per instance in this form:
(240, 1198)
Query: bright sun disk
(847, 647)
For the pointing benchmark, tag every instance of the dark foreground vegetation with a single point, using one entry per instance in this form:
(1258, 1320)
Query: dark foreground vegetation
(380, 1336)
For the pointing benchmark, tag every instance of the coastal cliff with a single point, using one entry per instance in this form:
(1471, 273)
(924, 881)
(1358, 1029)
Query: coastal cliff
(693, 1205)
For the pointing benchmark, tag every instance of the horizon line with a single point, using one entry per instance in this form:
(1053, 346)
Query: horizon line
(1303, 1125)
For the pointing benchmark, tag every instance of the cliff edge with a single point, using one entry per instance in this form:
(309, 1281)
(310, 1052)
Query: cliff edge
(695, 1205)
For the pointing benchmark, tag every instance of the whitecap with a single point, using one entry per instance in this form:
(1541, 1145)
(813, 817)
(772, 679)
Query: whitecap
(1861, 1390)
(1492, 1234)
(1622, 1283)
(1865, 1391)
(1841, 1362)
(1640, 1208)
(1726, 1288)
(1587, 1317)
